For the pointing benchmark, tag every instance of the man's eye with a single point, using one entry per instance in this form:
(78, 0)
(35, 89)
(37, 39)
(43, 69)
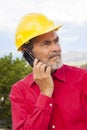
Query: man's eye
(46, 43)
(56, 40)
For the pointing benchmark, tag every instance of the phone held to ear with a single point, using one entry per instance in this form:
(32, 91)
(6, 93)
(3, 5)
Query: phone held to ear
(29, 58)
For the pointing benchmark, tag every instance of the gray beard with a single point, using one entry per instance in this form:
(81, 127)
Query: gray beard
(56, 66)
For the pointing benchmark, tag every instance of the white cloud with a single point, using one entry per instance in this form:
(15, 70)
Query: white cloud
(65, 11)
(72, 12)
(71, 39)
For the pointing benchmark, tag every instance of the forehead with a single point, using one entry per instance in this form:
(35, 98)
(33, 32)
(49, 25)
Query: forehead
(47, 36)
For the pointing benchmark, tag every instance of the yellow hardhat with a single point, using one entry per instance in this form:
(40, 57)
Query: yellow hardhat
(32, 25)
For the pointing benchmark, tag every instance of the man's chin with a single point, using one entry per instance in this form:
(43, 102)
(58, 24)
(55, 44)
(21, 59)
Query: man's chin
(56, 66)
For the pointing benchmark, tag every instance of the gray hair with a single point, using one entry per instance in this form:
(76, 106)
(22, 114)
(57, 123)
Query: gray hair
(28, 46)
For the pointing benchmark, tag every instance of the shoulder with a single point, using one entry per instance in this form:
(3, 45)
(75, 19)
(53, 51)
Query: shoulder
(75, 69)
(26, 80)
(75, 73)
(21, 87)
(24, 83)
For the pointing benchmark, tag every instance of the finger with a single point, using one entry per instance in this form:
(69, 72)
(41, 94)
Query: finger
(35, 65)
(48, 70)
(35, 62)
(36, 69)
(42, 69)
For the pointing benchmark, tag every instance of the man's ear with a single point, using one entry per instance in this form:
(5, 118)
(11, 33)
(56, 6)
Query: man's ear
(24, 49)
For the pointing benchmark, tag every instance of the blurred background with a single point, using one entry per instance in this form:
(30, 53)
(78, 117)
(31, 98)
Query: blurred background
(72, 14)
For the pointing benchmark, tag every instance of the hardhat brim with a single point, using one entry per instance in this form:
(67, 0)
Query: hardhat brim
(46, 30)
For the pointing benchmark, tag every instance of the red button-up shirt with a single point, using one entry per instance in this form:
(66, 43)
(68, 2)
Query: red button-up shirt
(66, 110)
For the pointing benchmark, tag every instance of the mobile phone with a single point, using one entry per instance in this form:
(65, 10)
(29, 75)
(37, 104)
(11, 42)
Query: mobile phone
(28, 57)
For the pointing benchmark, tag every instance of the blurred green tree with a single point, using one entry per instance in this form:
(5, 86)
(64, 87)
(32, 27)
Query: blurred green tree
(11, 70)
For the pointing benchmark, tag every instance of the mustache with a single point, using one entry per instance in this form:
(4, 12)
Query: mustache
(53, 54)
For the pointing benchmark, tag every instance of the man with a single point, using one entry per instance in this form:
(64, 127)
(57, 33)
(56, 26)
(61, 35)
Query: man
(54, 96)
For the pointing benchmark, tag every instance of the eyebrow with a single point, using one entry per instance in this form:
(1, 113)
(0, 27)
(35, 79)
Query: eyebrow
(57, 38)
(46, 41)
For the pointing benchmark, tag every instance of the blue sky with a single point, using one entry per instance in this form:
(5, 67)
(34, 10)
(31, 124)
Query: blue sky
(70, 13)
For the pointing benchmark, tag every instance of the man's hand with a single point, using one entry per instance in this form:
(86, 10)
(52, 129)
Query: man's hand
(42, 77)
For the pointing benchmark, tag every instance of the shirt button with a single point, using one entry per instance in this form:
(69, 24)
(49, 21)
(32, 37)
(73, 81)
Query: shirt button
(53, 126)
(50, 104)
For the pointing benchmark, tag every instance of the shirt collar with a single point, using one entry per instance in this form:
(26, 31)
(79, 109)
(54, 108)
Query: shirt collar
(59, 74)
(30, 79)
